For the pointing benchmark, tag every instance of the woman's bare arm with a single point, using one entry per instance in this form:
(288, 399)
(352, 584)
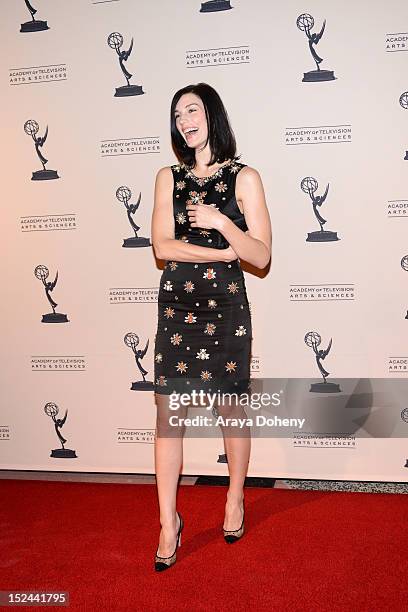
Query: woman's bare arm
(254, 246)
(165, 245)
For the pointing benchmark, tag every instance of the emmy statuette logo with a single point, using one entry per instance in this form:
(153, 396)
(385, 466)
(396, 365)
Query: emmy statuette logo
(403, 100)
(33, 25)
(132, 340)
(42, 273)
(52, 410)
(31, 128)
(309, 185)
(222, 458)
(213, 6)
(313, 340)
(123, 194)
(404, 266)
(305, 23)
(404, 417)
(115, 41)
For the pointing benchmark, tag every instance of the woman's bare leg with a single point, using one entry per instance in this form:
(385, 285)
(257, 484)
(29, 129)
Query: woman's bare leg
(238, 452)
(168, 456)
(237, 443)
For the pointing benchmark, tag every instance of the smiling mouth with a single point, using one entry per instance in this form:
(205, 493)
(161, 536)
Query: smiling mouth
(190, 132)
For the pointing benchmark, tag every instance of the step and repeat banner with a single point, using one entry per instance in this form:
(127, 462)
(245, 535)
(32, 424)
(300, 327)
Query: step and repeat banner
(317, 96)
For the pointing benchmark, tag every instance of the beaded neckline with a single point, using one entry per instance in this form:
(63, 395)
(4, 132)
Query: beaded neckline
(204, 179)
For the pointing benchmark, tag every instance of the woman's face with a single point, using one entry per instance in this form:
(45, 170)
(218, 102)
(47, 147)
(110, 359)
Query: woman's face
(191, 121)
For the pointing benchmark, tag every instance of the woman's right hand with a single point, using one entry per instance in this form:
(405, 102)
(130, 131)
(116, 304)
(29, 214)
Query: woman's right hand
(229, 254)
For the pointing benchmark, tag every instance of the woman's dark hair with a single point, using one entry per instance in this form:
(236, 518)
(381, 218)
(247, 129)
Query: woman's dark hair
(220, 135)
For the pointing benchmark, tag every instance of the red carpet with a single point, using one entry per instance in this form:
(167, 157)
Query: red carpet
(303, 550)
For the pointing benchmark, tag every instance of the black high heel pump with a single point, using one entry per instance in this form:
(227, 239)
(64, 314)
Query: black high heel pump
(233, 536)
(163, 563)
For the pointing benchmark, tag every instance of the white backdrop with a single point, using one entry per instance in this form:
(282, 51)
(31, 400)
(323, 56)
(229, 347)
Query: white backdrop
(65, 77)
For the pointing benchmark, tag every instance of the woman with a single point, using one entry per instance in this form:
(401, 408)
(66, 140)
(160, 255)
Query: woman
(209, 211)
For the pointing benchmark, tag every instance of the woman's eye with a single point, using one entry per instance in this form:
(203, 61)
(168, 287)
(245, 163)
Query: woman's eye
(192, 110)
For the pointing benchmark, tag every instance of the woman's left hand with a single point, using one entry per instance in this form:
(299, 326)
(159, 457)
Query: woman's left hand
(205, 216)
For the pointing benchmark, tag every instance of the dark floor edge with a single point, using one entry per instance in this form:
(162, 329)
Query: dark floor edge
(250, 481)
(208, 479)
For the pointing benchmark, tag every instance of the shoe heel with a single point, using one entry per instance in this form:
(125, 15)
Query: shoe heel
(180, 530)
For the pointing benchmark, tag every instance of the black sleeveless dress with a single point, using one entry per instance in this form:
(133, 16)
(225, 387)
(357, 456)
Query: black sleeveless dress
(204, 331)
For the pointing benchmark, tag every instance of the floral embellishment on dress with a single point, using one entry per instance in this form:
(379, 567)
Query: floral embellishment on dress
(181, 366)
(204, 232)
(196, 198)
(202, 354)
(231, 366)
(190, 318)
(173, 265)
(169, 312)
(206, 375)
(241, 331)
(180, 185)
(234, 168)
(183, 238)
(210, 273)
(181, 217)
(212, 304)
(159, 358)
(176, 339)
(168, 286)
(189, 286)
(221, 187)
(210, 329)
(233, 287)
(161, 381)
